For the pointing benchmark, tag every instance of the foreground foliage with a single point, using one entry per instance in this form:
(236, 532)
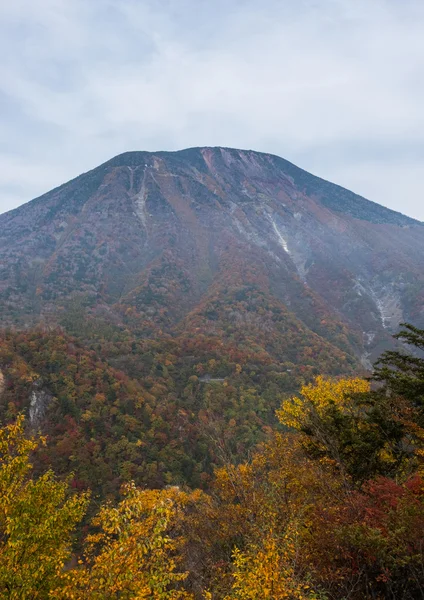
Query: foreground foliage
(133, 555)
(329, 509)
(37, 519)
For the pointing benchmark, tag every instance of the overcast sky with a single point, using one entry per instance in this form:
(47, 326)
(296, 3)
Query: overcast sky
(335, 86)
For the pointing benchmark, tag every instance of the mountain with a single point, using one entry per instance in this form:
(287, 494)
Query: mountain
(157, 308)
(173, 235)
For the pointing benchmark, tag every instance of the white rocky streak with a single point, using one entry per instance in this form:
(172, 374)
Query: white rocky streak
(140, 203)
(248, 231)
(279, 235)
(386, 300)
(365, 361)
(297, 257)
(388, 305)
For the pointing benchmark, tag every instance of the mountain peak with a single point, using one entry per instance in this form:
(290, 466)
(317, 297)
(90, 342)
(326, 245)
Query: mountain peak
(162, 230)
(248, 162)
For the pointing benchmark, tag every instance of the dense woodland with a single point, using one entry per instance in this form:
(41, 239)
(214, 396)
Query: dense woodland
(133, 489)
(120, 403)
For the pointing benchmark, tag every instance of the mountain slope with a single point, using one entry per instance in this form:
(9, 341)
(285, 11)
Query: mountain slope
(163, 234)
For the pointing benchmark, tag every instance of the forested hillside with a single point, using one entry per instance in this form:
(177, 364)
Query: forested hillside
(332, 508)
(158, 411)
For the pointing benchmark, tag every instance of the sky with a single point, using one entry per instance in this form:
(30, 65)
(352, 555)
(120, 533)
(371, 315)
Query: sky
(335, 86)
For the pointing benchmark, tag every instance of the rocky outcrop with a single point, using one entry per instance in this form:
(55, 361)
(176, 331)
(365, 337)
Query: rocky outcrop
(39, 401)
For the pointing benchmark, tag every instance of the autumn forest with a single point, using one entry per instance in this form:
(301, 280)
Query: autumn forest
(329, 505)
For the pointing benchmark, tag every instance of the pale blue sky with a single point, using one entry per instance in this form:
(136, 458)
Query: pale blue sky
(335, 86)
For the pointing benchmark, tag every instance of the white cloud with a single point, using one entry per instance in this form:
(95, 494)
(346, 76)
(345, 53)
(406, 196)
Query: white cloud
(333, 85)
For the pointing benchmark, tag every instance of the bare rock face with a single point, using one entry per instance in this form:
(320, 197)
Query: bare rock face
(167, 234)
(38, 404)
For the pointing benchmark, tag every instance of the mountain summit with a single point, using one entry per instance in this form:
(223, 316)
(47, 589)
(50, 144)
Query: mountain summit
(218, 240)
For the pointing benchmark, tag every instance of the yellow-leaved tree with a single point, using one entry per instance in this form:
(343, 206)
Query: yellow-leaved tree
(37, 518)
(136, 551)
(267, 571)
(319, 398)
(343, 422)
(262, 511)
